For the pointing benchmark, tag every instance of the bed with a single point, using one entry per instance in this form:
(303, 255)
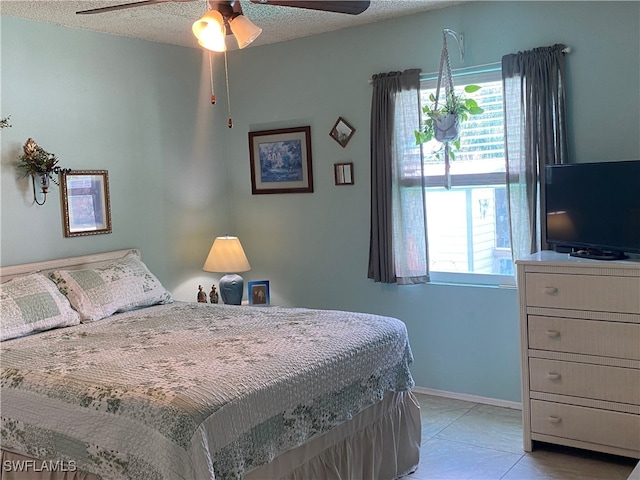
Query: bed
(104, 375)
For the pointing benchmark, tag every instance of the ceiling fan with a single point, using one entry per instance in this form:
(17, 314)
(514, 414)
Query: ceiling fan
(225, 17)
(350, 7)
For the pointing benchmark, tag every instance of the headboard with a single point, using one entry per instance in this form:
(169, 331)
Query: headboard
(70, 263)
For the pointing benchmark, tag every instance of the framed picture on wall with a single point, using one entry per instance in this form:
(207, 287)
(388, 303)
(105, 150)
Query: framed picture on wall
(85, 202)
(343, 173)
(259, 292)
(342, 132)
(281, 161)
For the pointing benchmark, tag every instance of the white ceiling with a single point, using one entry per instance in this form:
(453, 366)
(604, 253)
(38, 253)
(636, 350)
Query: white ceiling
(171, 22)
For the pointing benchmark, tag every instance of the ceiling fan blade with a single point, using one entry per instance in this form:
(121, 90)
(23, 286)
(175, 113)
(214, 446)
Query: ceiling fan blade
(121, 7)
(350, 7)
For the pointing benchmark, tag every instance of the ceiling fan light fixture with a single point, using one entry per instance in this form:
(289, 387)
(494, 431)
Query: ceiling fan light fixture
(244, 30)
(210, 31)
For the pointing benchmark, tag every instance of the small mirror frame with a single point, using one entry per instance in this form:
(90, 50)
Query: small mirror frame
(342, 132)
(343, 173)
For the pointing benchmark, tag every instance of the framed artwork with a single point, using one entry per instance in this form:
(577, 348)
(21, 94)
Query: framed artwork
(281, 161)
(259, 292)
(85, 202)
(342, 132)
(343, 173)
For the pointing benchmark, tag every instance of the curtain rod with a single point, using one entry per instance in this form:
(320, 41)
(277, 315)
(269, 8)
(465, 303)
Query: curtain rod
(485, 67)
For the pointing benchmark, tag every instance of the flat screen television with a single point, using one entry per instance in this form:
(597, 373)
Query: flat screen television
(593, 209)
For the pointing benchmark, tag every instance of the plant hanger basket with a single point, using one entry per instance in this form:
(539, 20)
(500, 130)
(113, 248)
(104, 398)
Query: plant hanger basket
(447, 127)
(443, 123)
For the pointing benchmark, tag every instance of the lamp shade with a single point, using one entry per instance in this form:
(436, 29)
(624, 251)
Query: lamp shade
(226, 256)
(244, 30)
(209, 31)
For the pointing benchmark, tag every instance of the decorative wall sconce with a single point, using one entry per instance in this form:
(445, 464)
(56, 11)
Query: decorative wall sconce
(41, 166)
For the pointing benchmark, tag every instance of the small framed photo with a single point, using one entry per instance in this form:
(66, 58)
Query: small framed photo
(343, 173)
(259, 292)
(342, 132)
(85, 202)
(281, 161)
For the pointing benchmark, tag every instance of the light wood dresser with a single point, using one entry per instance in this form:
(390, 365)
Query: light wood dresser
(580, 344)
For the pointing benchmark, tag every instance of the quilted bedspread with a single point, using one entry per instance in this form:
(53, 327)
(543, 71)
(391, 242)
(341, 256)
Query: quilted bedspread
(192, 390)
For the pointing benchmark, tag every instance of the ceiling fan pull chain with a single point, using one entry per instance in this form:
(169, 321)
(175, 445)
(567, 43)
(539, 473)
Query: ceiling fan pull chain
(213, 92)
(226, 77)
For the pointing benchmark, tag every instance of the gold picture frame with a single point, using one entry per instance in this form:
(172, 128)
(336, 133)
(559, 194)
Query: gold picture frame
(86, 209)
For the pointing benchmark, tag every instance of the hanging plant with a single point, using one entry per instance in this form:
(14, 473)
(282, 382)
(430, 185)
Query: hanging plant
(441, 121)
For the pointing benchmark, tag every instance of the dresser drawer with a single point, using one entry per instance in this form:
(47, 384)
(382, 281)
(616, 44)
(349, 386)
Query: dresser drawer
(615, 384)
(589, 337)
(583, 292)
(586, 424)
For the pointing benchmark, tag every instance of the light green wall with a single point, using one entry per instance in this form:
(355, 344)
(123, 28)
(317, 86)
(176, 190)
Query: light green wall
(173, 162)
(314, 248)
(137, 109)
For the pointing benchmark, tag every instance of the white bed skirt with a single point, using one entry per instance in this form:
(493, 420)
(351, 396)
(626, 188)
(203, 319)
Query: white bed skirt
(381, 442)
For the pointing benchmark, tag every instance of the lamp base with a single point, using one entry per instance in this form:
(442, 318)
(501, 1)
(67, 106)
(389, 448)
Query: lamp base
(231, 289)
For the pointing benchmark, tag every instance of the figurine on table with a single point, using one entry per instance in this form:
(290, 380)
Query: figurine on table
(202, 297)
(213, 294)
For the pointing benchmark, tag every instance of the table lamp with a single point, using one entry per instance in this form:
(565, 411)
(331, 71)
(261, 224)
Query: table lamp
(227, 256)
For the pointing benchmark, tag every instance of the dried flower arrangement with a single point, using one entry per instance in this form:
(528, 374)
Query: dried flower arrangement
(36, 160)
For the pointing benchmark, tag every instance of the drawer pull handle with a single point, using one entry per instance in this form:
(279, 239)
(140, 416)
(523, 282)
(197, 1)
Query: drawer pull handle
(554, 419)
(551, 290)
(553, 376)
(553, 333)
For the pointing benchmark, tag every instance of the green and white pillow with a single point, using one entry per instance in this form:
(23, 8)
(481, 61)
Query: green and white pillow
(120, 286)
(31, 304)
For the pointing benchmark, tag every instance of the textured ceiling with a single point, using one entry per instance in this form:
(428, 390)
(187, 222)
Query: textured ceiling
(171, 22)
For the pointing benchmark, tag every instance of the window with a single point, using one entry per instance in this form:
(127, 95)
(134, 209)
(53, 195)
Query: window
(468, 230)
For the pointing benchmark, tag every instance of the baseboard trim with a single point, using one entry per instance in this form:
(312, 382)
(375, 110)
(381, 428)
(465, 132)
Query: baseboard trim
(496, 402)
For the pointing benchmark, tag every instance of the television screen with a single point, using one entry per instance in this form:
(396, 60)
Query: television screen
(593, 209)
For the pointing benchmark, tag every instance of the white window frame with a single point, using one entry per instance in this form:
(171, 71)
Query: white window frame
(471, 76)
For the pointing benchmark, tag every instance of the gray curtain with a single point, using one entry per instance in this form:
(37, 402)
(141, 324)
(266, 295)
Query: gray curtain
(398, 243)
(535, 135)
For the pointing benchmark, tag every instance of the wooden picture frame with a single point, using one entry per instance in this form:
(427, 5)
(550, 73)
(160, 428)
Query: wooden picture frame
(343, 173)
(281, 161)
(342, 132)
(86, 208)
(259, 292)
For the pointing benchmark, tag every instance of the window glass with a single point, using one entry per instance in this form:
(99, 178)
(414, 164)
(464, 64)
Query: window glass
(468, 224)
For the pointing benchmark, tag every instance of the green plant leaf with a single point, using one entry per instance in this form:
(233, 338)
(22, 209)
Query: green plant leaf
(472, 88)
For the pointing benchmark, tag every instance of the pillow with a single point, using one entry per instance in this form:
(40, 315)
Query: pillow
(123, 285)
(33, 303)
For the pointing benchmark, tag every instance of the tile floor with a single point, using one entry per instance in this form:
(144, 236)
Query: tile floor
(470, 441)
